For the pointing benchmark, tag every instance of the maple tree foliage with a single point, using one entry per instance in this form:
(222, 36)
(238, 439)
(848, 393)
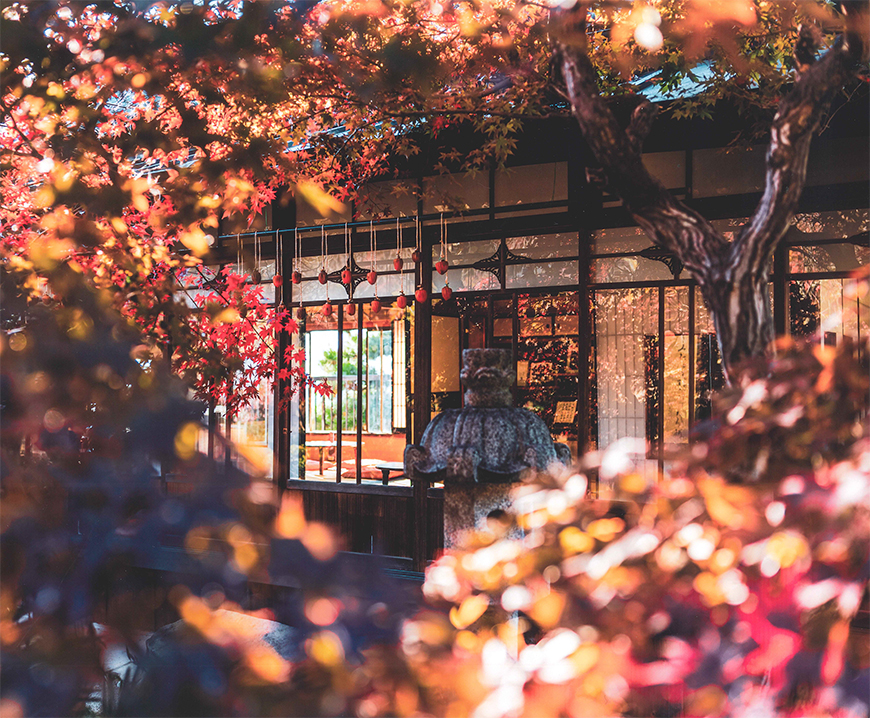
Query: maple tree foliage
(133, 131)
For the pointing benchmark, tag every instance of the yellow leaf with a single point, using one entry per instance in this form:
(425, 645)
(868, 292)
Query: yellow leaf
(195, 240)
(548, 609)
(185, 441)
(326, 648)
(44, 197)
(573, 541)
(469, 611)
(606, 529)
(322, 201)
(230, 315)
(585, 657)
(290, 522)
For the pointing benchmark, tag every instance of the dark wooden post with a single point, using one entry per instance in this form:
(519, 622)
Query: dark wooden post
(422, 400)
(284, 221)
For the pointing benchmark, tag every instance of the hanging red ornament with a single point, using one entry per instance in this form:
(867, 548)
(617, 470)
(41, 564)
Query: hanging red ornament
(416, 256)
(277, 280)
(376, 305)
(345, 275)
(372, 276)
(421, 295)
(296, 277)
(322, 276)
(327, 309)
(300, 313)
(398, 263)
(351, 309)
(402, 301)
(441, 266)
(446, 292)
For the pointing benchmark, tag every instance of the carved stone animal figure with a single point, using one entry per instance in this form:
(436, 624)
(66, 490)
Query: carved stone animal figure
(487, 441)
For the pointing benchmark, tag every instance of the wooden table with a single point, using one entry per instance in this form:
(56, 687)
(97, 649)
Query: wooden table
(387, 467)
(321, 445)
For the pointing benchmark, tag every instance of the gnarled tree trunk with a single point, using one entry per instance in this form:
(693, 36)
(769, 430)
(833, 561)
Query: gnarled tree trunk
(732, 275)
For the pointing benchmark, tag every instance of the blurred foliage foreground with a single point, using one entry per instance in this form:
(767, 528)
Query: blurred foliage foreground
(735, 584)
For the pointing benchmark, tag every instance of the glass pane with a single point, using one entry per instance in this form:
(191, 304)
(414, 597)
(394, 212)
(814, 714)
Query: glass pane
(619, 239)
(548, 362)
(531, 183)
(307, 216)
(455, 192)
(446, 360)
(253, 431)
(349, 382)
(804, 307)
(728, 170)
(542, 274)
(830, 225)
(669, 168)
(838, 160)
(475, 325)
(321, 408)
(628, 269)
(829, 310)
(393, 198)
(626, 335)
(311, 290)
(545, 246)
(676, 365)
(465, 279)
(466, 253)
(384, 399)
(827, 258)
(709, 376)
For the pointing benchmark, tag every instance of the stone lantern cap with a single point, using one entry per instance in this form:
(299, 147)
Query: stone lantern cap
(488, 440)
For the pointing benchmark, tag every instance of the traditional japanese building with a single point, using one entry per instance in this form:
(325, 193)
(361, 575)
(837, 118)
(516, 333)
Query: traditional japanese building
(609, 336)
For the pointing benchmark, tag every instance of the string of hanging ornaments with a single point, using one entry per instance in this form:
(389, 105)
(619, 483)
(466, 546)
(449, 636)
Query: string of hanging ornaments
(372, 276)
(321, 277)
(296, 275)
(401, 300)
(255, 272)
(346, 274)
(238, 267)
(441, 265)
(421, 294)
(277, 279)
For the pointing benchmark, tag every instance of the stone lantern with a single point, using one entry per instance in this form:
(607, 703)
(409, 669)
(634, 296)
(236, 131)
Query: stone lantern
(482, 450)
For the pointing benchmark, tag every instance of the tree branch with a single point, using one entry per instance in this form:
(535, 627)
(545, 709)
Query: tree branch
(641, 122)
(667, 222)
(797, 119)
